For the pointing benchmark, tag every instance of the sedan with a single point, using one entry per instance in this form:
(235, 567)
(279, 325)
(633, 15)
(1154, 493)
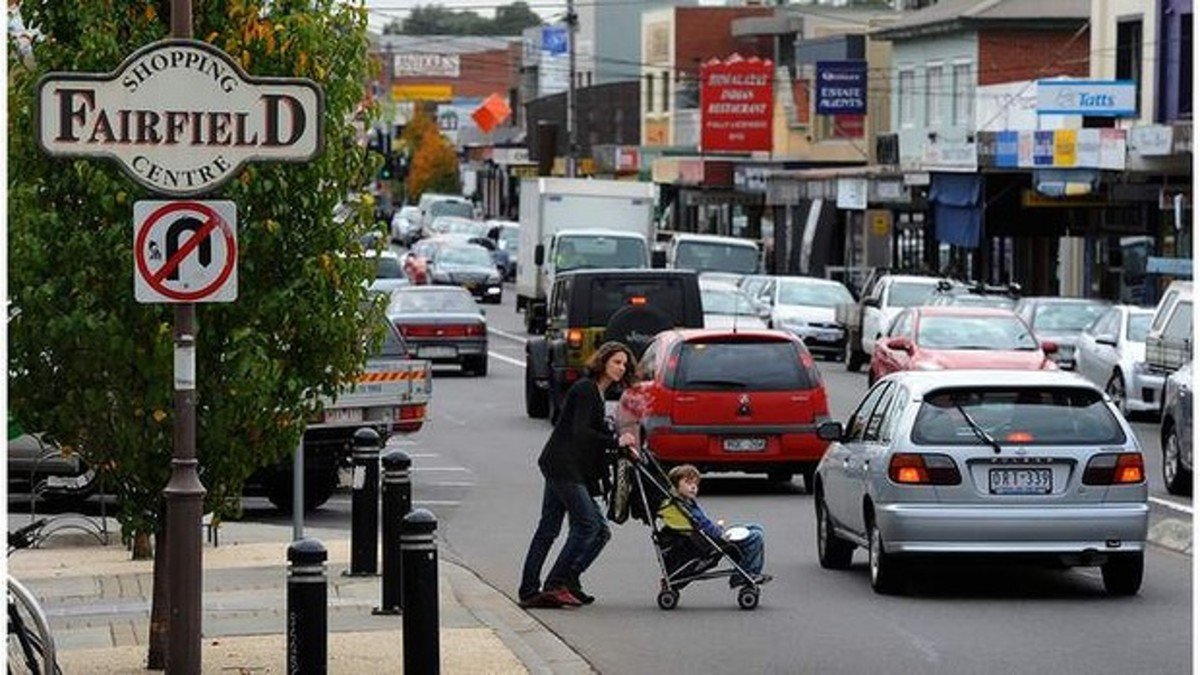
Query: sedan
(469, 266)
(727, 307)
(983, 464)
(806, 306)
(406, 225)
(950, 338)
(1112, 354)
(442, 324)
(1061, 320)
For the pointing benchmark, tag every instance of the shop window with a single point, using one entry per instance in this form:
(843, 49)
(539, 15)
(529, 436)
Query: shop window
(1185, 66)
(649, 92)
(933, 95)
(666, 91)
(907, 96)
(1129, 55)
(960, 98)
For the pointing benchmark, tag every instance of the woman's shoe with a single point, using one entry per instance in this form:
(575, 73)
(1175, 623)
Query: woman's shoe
(581, 595)
(543, 600)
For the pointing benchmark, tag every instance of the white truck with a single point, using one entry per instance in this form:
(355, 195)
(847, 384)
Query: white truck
(391, 396)
(572, 223)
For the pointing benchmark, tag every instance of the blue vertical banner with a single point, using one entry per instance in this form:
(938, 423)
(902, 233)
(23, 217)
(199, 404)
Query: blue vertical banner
(841, 88)
(1043, 148)
(554, 40)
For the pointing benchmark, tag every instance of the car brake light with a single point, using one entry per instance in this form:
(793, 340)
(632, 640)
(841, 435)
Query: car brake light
(475, 329)
(575, 338)
(910, 468)
(409, 412)
(1019, 437)
(1115, 468)
(637, 300)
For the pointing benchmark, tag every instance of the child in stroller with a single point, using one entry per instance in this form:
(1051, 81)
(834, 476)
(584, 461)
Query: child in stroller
(691, 545)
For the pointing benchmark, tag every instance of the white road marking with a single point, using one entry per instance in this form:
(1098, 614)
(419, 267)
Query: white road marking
(1172, 505)
(507, 359)
(507, 335)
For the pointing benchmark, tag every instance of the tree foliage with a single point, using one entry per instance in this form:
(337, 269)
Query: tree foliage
(431, 19)
(94, 368)
(434, 164)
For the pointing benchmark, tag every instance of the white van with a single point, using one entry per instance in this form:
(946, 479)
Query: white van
(712, 253)
(1169, 342)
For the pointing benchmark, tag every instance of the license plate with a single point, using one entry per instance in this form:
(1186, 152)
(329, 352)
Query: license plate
(744, 444)
(1019, 481)
(438, 352)
(827, 336)
(337, 416)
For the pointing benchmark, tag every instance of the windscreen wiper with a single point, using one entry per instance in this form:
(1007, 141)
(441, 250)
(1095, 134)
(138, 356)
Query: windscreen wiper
(978, 430)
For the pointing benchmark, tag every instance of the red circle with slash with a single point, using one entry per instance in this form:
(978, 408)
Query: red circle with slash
(212, 221)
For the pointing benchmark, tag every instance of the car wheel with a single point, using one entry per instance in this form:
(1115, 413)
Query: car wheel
(886, 570)
(537, 403)
(1116, 391)
(854, 359)
(1177, 478)
(1123, 573)
(833, 552)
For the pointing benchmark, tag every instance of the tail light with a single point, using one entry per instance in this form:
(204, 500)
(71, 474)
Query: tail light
(446, 330)
(1114, 468)
(908, 468)
(475, 329)
(574, 338)
(409, 412)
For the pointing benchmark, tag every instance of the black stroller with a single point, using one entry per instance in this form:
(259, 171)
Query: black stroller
(640, 484)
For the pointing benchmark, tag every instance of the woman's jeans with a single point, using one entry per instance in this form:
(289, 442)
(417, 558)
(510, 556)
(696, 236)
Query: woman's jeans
(586, 537)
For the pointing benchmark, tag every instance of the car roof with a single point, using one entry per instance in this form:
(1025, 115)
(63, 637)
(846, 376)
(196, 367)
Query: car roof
(631, 273)
(961, 310)
(714, 238)
(688, 334)
(718, 284)
(1054, 299)
(809, 280)
(431, 288)
(921, 382)
(601, 232)
(932, 281)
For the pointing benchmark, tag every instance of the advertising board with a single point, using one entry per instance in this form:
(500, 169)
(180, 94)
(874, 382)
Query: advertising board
(736, 104)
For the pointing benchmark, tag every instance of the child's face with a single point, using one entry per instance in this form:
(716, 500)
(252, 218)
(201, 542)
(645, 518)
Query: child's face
(689, 487)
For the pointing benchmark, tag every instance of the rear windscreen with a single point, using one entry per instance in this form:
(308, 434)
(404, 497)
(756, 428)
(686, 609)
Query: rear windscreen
(1025, 415)
(752, 366)
(606, 296)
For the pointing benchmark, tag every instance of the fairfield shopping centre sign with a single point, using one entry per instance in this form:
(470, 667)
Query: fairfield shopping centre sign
(180, 116)
(736, 104)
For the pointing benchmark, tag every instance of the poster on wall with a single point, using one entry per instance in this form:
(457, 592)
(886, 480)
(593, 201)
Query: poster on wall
(736, 104)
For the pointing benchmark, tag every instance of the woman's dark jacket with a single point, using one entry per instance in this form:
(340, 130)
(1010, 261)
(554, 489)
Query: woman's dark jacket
(576, 448)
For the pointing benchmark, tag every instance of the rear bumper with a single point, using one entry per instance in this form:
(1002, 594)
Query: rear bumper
(1145, 394)
(464, 347)
(787, 447)
(1007, 529)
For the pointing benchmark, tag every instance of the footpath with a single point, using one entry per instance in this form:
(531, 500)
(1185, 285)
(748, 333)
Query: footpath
(98, 604)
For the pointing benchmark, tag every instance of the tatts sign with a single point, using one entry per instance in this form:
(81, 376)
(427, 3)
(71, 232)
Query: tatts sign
(180, 117)
(736, 104)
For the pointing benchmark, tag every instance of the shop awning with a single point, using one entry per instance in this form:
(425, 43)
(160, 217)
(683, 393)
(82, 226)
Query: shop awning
(957, 210)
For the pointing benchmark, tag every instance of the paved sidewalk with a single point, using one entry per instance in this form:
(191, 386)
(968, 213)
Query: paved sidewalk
(98, 603)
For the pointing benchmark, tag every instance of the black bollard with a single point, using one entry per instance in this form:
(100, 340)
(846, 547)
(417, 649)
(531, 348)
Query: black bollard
(307, 599)
(364, 505)
(422, 653)
(397, 502)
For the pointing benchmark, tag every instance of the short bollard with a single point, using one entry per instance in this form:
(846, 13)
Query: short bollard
(364, 505)
(397, 502)
(422, 653)
(307, 595)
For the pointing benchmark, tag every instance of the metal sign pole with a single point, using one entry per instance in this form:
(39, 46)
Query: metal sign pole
(298, 491)
(184, 494)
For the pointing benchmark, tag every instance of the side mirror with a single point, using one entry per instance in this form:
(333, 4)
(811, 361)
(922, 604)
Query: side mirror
(830, 431)
(539, 255)
(1110, 340)
(901, 344)
(658, 259)
(871, 302)
(1050, 347)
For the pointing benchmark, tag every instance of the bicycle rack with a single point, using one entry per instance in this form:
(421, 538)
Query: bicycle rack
(97, 528)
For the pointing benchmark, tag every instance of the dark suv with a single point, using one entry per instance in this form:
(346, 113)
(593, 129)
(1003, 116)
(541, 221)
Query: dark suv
(589, 307)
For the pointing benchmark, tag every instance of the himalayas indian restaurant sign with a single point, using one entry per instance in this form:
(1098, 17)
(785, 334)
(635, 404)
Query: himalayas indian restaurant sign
(180, 116)
(736, 104)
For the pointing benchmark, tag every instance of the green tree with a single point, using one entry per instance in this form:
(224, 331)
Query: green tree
(514, 18)
(91, 366)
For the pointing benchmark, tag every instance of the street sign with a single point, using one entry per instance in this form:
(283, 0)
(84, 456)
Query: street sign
(180, 116)
(185, 251)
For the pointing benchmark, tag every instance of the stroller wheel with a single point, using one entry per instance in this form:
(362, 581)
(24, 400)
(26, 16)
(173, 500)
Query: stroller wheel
(668, 600)
(748, 597)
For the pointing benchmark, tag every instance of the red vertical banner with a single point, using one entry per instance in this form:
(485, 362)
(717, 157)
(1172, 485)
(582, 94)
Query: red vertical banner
(737, 101)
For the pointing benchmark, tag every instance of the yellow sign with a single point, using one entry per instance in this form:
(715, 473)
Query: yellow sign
(656, 131)
(422, 92)
(1065, 147)
(879, 223)
(1031, 199)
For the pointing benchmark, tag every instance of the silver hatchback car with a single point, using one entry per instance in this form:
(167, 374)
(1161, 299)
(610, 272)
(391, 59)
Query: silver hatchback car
(1031, 464)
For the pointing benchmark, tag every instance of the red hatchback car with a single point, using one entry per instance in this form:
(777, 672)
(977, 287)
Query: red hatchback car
(729, 400)
(953, 338)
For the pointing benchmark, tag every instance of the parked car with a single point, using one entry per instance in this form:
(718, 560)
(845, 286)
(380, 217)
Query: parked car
(442, 324)
(727, 307)
(956, 338)
(977, 294)
(468, 266)
(1169, 340)
(985, 464)
(406, 225)
(722, 400)
(1177, 432)
(884, 295)
(807, 306)
(507, 236)
(1112, 354)
(1060, 320)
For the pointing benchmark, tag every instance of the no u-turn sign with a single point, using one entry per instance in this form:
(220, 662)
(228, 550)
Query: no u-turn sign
(185, 251)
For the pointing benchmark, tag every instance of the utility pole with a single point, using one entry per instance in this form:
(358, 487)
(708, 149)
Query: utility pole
(572, 24)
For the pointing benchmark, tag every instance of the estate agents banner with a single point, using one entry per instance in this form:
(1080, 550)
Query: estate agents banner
(736, 104)
(841, 88)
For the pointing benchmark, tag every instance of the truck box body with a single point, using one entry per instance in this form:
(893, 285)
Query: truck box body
(551, 206)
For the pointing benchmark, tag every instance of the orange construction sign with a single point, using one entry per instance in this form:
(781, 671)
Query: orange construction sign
(491, 113)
